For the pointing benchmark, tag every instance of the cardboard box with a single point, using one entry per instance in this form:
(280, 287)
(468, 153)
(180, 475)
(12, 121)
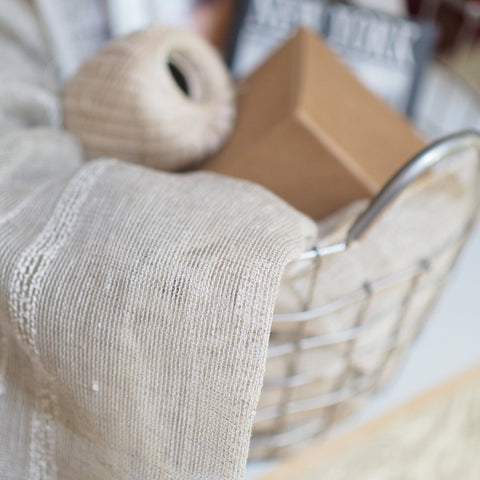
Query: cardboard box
(310, 132)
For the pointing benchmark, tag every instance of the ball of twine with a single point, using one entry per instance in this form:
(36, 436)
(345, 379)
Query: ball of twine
(161, 97)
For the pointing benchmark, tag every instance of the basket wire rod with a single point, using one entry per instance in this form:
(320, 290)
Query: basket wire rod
(292, 361)
(308, 378)
(467, 231)
(348, 299)
(463, 239)
(398, 327)
(290, 436)
(461, 243)
(322, 251)
(342, 336)
(421, 163)
(284, 439)
(342, 381)
(414, 169)
(301, 379)
(367, 384)
(360, 385)
(428, 308)
(342, 393)
(389, 279)
(360, 320)
(315, 342)
(358, 295)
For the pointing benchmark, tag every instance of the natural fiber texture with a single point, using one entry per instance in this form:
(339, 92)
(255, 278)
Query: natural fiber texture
(125, 101)
(135, 310)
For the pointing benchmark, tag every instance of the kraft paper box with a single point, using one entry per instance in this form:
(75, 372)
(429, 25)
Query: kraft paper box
(309, 131)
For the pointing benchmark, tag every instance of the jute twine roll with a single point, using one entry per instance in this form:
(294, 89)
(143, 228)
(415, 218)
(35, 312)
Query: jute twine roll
(161, 97)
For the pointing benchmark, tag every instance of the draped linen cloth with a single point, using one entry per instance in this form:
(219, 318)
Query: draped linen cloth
(135, 305)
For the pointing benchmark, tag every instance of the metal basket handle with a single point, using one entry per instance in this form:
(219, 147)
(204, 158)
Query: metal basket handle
(416, 167)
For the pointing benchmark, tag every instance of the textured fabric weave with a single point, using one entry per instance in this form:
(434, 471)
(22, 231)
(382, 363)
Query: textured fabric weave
(124, 101)
(135, 306)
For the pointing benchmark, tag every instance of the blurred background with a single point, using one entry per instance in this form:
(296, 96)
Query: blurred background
(411, 53)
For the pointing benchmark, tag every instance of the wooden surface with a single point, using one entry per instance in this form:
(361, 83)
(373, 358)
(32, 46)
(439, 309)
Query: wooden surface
(434, 437)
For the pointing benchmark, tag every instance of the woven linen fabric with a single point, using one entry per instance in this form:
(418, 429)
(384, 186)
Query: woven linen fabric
(124, 101)
(135, 306)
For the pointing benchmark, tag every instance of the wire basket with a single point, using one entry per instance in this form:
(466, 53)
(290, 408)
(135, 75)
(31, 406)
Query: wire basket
(339, 336)
(329, 357)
